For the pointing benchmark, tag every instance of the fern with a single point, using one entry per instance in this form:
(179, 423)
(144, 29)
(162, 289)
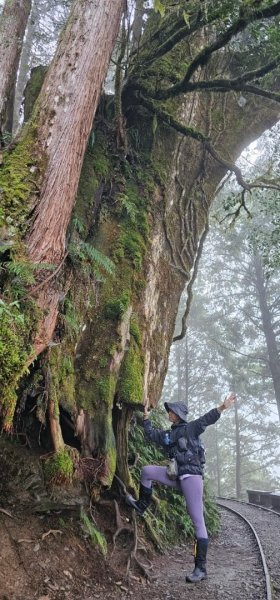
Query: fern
(71, 319)
(128, 208)
(22, 274)
(11, 310)
(86, 253)
(98, 257)
(4, 246)
(79, 226)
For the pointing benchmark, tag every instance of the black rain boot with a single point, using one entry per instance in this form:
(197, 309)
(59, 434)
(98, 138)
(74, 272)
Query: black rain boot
(145, 497)
(199, 573)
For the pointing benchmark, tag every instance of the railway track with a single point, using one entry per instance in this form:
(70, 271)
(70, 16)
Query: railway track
(264, 524)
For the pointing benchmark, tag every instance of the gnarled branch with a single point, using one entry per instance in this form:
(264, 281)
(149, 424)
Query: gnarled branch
(196, 135)
(203, 57)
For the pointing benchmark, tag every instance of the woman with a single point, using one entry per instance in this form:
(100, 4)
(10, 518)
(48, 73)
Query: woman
(183, 444)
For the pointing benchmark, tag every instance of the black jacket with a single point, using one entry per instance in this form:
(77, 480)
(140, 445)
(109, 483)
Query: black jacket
(184, 443)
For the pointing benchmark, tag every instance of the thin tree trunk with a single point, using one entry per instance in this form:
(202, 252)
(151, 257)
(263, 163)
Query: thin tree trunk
(186, 370)
(237, 452)
(64, 115)
(138, 22)
(13, 23)
(218, 462)
(178, 355)
(272, 349)
(24, 67)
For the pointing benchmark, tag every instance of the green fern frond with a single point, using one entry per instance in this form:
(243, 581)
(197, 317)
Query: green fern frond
(12, 311)
(86, 252)
(97, 257)
(78, 225)
(128, 208)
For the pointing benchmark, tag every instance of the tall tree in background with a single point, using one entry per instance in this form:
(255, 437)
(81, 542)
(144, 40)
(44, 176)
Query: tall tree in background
(13, 22)
(270, 325)
(183, 110)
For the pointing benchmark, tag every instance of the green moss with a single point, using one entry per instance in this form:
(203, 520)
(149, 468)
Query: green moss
(114, 309)
(96, 168)
(58, 468)
(135, 331)
(109, 465)
(160, 172)
(18, 321)
(101, 160)
(106, 389)
(103, 362)
(15, 349)
(112, 349)
(96, 537)
(134, 204)
(130, 385)
(17, 180)
(133, 247)
(71, 318)
(63, 378)
(32, 89)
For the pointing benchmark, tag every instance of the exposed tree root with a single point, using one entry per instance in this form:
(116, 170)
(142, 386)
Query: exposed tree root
(120, 525)
(133, 558)
(6, 512)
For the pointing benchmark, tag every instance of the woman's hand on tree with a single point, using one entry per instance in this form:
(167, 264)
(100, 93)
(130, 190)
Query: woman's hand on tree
(146, 412)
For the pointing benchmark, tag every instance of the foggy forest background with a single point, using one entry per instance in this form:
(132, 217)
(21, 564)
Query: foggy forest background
(232, 338)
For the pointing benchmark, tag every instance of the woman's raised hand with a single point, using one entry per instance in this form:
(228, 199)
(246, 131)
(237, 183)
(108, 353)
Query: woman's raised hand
(229, 400)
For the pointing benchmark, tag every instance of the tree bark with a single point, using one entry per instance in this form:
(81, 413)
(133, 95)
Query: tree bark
(178, 358)
(13, 23)
(138, 22)
(64, 114)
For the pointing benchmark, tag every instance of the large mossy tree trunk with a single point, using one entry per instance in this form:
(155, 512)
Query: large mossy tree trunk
(39, 177)
(151, 220)
(13, 21)
(145, 206)
(49, 156)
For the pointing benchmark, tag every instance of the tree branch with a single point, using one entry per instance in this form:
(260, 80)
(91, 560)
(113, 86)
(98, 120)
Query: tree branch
(189, 288)
(203, 57)
(230, 85)
(196, 135)
(179, 31)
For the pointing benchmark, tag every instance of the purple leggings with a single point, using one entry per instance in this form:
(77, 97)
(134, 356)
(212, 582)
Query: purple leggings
(191, 488)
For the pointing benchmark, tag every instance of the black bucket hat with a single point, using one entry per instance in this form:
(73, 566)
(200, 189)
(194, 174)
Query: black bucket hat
(178, 408)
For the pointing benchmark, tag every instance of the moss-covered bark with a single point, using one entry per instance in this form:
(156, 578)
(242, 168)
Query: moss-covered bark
(146, 212)
(39, 174)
